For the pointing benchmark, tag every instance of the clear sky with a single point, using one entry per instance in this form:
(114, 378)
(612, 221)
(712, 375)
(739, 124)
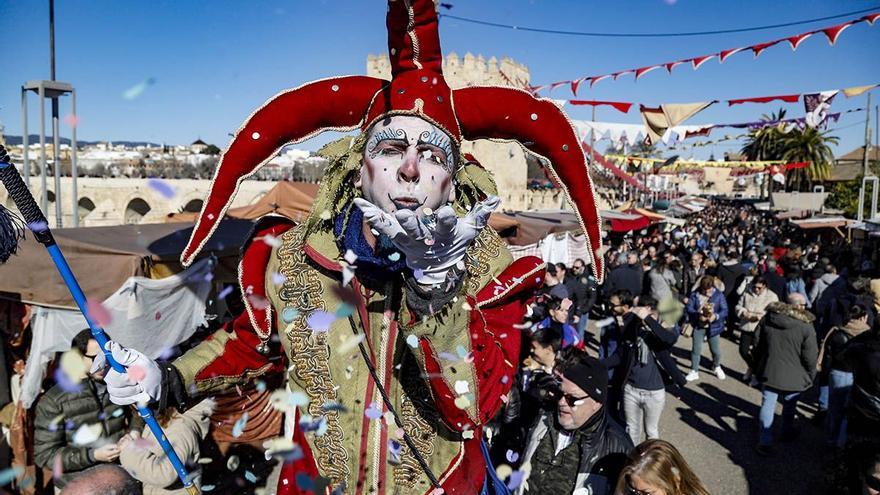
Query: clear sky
(214, 62)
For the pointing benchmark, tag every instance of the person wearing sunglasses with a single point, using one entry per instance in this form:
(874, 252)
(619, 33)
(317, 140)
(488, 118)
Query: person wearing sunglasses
(656, 467)
(577, 447)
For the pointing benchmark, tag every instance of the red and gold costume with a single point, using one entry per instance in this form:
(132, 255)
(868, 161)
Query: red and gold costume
(446, 373)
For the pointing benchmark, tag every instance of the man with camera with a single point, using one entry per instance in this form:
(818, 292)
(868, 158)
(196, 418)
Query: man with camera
(576, 447)
(643, 368)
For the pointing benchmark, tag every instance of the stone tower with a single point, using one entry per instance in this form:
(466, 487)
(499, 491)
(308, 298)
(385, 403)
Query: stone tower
(506, 161)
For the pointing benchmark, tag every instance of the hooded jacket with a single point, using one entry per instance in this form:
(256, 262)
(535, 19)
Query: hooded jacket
(820, 285)
(146, 461)
(835, 342)
(785, 352)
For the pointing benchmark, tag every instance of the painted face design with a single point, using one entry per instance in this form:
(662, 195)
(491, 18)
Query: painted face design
(408, 163)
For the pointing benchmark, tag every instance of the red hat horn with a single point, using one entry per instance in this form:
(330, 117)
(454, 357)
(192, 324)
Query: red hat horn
(540, 126)
(294, 115)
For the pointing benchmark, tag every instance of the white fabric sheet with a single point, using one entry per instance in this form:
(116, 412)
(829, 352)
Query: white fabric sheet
(148, 315)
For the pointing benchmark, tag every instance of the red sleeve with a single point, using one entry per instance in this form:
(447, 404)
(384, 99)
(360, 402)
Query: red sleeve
(229, 356)
(470, 391)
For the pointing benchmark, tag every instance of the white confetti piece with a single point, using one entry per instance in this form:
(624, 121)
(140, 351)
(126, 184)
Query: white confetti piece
(350, 257)
(240, 425)
(462, 387)
(412, 341)
(87, 434)
(272, 241)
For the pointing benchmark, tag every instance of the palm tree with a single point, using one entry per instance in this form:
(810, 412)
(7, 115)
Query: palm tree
(765, 143)
(808, 145)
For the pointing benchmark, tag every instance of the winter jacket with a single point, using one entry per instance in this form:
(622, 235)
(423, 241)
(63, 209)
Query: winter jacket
(602, 446)
(776, 283)
(820, 285)
(732, 273)
(719, 306)
(835, 342)
(753, 303)
(627, 277)
(785, 352)
(863, 356)
(796, 285)
(146, 461)
(659, 341)
(583, 291)
(661, 284)
(60, 414)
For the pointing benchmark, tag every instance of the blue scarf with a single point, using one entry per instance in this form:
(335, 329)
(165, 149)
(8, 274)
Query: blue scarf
(373, 265)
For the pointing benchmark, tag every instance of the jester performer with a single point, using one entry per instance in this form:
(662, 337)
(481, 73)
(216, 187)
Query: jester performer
(395, 254)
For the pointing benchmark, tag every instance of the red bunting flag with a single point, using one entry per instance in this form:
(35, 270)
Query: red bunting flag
(796, 40)
(620, 106)
(765, 99)
(792, 166)
(834, 31)
(644, 70)
(763, 46)
(698, 61)
(575, 84)
(672, 65)
(594, 80)
(726, 53)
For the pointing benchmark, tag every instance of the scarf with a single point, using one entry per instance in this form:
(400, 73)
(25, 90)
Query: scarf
(371, 265)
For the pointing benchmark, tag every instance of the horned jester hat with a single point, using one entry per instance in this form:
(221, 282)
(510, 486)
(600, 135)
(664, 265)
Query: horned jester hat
(416, 88)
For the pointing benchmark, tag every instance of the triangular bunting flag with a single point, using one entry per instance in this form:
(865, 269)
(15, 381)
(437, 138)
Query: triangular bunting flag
(834, 31)
(857, 90)
(557, 84)
(871, 18)
(763, 46)
(796, 40)
(594, 80)
(575, 84)
(698, 61)
(671, 65)
(621, 73)
(726, 53)
(644, 70)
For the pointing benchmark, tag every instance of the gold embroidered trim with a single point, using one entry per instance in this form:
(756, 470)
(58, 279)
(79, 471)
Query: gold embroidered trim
(419, 416)
(516, 281)
(486, 247)
(309, 352)
(411, 31)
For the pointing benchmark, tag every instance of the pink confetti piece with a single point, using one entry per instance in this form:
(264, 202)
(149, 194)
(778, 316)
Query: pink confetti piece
(136, 373)
(98, 313)
(258, 302)
(71, 120)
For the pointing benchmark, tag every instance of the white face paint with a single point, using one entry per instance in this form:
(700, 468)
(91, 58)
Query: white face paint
(407, 164)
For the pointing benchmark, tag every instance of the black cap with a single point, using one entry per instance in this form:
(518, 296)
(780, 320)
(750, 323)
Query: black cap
(589, 374)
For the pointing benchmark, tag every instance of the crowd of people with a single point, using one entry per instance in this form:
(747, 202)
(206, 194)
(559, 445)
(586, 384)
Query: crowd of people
(597, 364)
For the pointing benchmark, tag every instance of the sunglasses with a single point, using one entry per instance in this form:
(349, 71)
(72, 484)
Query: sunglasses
(570, 399)
(632, 491)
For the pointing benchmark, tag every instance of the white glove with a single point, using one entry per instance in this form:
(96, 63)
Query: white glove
(432, 244)
(144, 386)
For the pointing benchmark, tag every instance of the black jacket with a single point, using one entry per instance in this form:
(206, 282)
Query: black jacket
(582, 290)
(660, 341)
(603, 448)
(59, 414)
(785, 352)
(627, 277)
(834, 344)
(863, 355)
(776, 283)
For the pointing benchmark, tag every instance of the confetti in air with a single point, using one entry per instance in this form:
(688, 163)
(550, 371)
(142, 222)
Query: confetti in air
(161, 187)
(87, 434)
(239, 426)
(320, 321)
(412, 340)
(138, 89)
(71, 120)
(98, 313)
(225, 292)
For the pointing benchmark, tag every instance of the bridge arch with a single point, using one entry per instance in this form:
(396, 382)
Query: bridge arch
(135, 211)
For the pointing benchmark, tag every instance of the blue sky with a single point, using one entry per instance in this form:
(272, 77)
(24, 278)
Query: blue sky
(213, 62)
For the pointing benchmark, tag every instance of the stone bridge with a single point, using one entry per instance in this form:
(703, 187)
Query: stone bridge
(108, 201)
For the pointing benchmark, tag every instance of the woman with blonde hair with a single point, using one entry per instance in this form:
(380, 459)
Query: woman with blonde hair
(655, 467)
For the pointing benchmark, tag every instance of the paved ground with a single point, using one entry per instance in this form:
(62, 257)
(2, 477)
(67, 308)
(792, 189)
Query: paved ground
(713, 423)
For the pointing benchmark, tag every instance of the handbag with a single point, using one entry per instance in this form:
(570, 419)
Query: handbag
(687, 329)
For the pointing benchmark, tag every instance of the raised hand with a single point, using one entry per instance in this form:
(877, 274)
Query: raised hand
(432, 242)
(140, 384)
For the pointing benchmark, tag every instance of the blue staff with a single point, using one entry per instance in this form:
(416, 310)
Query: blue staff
(11, 230)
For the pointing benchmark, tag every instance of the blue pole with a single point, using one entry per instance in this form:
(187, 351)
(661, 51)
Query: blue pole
(21, 195)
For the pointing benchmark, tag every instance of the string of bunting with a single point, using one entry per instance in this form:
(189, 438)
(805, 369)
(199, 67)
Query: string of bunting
(624, 106)
(830, 32)
(693, 164)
